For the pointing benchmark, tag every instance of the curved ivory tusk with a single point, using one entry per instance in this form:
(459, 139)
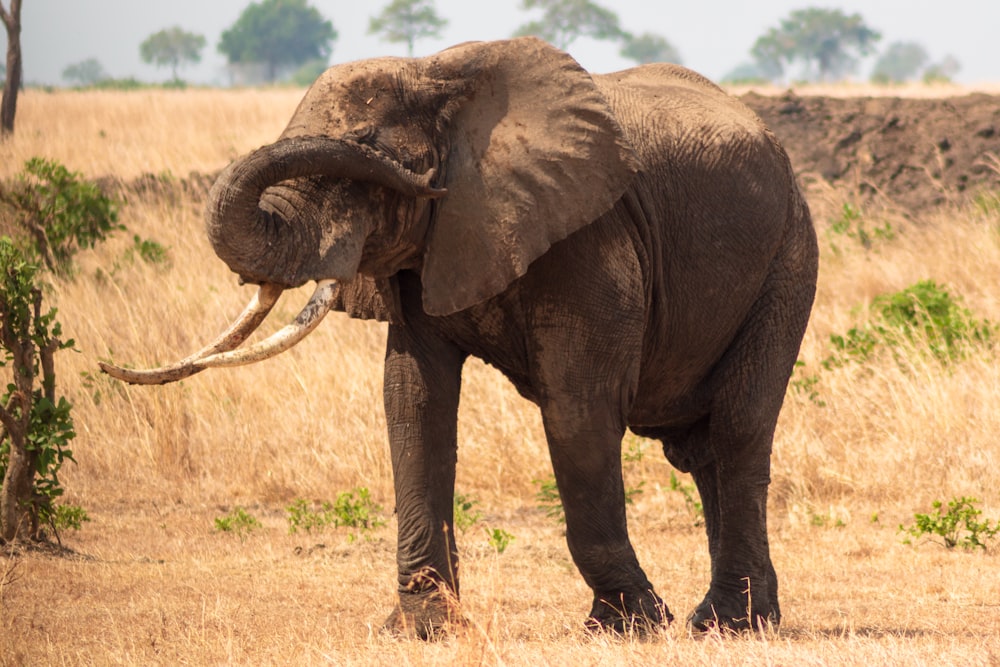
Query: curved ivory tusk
(308, 319)
(244, 325)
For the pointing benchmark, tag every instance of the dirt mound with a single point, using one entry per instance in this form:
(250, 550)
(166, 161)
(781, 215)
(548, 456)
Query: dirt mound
(914, 153)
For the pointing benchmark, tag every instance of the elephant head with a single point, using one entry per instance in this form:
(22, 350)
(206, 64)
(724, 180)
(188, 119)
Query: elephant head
(464, 166)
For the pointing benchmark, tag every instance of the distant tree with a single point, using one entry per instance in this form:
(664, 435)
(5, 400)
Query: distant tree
(566, 20)
(900, 62)
(826, 41)
(308, 72)
(650, 48)
(12, 82)
(278, 34)
(173, 47)
(407, 21)
(943, 71)
(750, 72)
(85, 73)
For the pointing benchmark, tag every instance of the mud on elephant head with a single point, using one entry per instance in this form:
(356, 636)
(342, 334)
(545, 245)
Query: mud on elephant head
(630, 249)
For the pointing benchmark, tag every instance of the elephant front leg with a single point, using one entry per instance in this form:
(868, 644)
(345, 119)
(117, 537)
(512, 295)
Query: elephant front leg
(586, 459)
(422, 382)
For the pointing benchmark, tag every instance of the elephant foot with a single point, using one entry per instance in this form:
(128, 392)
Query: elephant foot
(629, 614)
(426, 615)
(717, 614)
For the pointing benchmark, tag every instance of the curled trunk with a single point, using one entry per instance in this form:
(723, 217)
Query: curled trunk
(278, 242)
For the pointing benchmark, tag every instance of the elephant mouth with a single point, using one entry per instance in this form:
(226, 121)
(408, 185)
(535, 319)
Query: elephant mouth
(225, 349)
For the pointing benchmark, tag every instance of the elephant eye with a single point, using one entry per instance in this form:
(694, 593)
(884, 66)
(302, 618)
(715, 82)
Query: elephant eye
(367, 135)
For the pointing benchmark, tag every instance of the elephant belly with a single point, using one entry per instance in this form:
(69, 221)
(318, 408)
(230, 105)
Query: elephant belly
(690, 331)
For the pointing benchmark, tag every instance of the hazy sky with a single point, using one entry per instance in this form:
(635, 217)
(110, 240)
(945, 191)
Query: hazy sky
(712, 36)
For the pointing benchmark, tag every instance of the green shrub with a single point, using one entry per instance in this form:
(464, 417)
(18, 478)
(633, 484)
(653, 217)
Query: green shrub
(70, 517)
(352, 509)
(958, 526)
(852, 225)
(805, 385)
(499, 539)
(465, 515)
(924, 315)
(237, 522)
(58, 213)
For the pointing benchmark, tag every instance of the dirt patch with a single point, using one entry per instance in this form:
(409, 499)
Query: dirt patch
(914, 153)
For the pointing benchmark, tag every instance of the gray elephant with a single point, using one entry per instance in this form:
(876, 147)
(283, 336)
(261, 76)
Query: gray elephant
(629, 249)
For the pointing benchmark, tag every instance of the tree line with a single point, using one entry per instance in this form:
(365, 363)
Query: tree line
(290, 40)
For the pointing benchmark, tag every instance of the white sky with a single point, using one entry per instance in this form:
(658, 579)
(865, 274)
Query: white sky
(713, 36)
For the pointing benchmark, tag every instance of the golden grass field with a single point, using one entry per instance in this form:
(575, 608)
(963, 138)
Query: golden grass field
(151, 581)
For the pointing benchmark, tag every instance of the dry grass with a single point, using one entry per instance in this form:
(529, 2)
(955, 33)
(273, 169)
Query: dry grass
(152, 582)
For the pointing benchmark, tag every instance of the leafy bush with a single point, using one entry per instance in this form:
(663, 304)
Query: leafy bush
(60, 212)
(499, 539)
(238, 522)
(959, 526)
(67, 516)
(852, 225)
(805, 385)
(924, 315)
(465, 515)
(352, 509)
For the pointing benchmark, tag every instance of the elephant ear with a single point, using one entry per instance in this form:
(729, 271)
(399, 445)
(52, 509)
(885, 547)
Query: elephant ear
(535, 154)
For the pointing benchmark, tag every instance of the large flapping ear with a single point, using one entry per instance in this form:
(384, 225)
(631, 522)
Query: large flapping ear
(535, 154)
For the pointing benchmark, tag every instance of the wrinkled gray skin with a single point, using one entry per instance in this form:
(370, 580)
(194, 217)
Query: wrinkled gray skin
(629, 249)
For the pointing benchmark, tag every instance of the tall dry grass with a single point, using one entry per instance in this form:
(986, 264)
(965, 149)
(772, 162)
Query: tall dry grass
(153, 583)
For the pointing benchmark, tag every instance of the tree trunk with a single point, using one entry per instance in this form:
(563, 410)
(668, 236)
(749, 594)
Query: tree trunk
(18, 516)
(17, 520)
(8, 106)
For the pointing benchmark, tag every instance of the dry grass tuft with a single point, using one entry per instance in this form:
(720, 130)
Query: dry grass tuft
(154, 583)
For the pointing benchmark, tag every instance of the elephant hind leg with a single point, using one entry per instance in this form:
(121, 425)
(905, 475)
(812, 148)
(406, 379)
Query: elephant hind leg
(750, 384)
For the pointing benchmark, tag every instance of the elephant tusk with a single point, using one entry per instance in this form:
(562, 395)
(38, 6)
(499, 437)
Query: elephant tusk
(308, 319)
(244, 325)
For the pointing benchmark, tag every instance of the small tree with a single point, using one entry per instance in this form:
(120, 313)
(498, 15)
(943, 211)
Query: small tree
(173, 47)
(650, 48)
(54, 214)
(279, 34)
(407, 21)
(12, 82)
(36, 425)
(900, 62)
(751, 72)
(826, 41)
(85, 73)
(943, 71)
(566, 20)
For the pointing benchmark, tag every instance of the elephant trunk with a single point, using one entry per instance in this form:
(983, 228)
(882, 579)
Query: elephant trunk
(265, 238)
(277, 240)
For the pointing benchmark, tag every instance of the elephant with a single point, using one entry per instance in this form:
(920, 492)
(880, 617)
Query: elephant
(631, 250)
